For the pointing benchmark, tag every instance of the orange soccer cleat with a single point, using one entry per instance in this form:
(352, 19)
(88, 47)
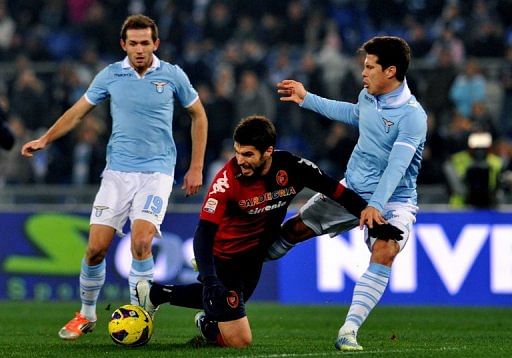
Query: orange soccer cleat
(76, 327)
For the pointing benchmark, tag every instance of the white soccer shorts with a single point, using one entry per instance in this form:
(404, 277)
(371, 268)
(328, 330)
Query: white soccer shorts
(325, 216)
(133, 196)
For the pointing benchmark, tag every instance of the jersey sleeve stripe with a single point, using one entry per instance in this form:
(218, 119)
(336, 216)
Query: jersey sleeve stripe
(191, 102)
(89, 100)
(406, 145)
(339, 191)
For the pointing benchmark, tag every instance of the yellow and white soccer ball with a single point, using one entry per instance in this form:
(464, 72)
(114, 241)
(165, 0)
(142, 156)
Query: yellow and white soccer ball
(130, 325)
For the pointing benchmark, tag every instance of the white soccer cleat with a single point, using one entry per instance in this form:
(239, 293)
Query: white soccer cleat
(198, 320)
(142, 289)
(347, 342)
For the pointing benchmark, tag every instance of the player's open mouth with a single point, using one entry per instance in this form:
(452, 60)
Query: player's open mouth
(245, 171)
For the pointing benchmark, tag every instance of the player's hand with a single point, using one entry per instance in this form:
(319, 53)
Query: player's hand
(370, 216)
(217, 299)
(33, 146)
(386, 232)
(291, 91)
(192, 181)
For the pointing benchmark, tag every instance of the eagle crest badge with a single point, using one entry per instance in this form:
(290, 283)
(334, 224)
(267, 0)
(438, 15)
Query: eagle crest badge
(387, 124)
(159, 85)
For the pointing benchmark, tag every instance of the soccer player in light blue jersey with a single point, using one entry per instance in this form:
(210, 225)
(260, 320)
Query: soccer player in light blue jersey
(383, 169)
(141, 157)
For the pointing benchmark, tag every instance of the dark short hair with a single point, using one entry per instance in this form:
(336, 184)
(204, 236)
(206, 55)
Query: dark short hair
(257, 131)
(390, 51)
(139, 21)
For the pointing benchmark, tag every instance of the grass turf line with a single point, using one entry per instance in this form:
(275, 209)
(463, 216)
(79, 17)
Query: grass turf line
(29, 329)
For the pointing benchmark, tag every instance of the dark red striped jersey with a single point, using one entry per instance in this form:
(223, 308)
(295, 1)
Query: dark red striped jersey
(249, 210)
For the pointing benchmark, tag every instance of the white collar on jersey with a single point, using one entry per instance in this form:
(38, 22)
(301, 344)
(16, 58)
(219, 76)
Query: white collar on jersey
(397, 97)
(154, 65)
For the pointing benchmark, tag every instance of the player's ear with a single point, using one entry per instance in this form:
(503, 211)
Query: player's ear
(268, 152)
(157, 43)
(123, 44)
(390, 71)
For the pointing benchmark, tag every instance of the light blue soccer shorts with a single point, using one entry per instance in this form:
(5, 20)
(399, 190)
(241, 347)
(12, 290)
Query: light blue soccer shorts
(133, 196)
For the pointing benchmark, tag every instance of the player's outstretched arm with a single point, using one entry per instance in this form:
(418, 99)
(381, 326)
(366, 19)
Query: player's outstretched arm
(63, 125)
(291, 91)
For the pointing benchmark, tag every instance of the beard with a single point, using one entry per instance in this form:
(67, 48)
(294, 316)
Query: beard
(256, 169)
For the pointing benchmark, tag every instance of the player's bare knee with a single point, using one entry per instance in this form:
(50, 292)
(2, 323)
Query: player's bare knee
(95, 255)
(141, 251)
(238, 340)
(141, 246)
(384, 252)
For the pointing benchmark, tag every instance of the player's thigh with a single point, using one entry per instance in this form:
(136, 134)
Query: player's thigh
(151, 199)
(112, 203)
(325, 216)
(236, 333)
(240, 275)
(401, 215)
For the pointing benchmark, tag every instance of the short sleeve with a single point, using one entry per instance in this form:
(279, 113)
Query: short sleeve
(186, 94)
(219, 193)
(98, 89)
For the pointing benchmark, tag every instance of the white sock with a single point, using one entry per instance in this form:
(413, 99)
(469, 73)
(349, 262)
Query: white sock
(141, 270)
(367, 293)
(92, 279)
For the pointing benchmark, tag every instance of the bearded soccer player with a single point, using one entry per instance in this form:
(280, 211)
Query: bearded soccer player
(240, 217)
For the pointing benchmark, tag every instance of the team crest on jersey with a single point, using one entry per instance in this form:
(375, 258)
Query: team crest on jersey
(98, 210)
(159, 85)
(210, 206)
(387, 124)
(282, 178)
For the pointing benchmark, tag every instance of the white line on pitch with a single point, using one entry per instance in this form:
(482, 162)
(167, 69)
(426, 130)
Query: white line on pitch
(323, 354)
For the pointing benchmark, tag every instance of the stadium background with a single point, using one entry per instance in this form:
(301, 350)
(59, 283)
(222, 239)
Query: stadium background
(234, 53)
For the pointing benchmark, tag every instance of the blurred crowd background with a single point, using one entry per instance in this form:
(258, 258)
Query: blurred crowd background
(236, 51)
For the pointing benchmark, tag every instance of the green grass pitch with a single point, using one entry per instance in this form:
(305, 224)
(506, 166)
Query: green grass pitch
(29, 329)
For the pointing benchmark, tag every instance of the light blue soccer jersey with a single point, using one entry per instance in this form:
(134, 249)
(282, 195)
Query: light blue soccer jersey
(142, 111)
(386, 160)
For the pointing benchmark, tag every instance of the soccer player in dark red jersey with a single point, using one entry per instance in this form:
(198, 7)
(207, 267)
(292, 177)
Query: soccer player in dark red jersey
(240, 218)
